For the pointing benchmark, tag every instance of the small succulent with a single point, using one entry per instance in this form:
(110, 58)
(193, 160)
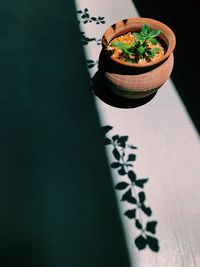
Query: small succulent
(140, 48)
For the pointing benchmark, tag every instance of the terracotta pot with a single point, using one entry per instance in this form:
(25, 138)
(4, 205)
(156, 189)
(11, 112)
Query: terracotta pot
(132, 80)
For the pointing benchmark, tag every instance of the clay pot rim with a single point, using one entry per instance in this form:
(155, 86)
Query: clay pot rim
(166, 31)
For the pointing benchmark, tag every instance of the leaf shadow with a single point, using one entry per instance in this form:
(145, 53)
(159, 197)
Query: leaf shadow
(131, 188)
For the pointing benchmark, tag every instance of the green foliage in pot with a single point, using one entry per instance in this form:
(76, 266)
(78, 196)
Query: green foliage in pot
(141, 48)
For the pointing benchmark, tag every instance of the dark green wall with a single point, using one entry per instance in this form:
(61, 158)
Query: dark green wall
(57, 202)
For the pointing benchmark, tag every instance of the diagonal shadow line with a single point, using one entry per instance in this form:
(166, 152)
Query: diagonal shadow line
(186, 66)
(57, 202)
(142, 240)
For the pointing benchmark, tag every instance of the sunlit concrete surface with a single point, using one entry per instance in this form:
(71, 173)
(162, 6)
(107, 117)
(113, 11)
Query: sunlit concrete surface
(168, 154)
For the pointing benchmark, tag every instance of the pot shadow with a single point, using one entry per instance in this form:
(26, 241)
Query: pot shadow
(102, 91)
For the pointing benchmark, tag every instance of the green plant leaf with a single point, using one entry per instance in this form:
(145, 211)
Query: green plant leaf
(154, 33)
(121, 186)
(155, 50)
(140, 242)
(136, 35)
(121, 45)
(130, 60)
(139, 37)
(153, 40)
(128, 53)
(130, 213)
(150, 53)
(141, 50)
(145, 30)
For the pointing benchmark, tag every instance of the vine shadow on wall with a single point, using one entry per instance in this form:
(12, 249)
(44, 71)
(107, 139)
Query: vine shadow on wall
(132, 190)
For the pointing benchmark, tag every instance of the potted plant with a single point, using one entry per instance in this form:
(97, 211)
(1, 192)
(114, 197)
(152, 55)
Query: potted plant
(137, 56)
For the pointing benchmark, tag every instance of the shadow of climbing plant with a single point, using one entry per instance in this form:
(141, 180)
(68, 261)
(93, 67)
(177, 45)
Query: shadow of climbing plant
(87, 18)
(86, 40)
(132, 189)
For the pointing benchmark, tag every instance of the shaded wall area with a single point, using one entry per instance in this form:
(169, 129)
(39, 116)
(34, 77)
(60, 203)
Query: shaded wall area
(57, 202)
(182, 17)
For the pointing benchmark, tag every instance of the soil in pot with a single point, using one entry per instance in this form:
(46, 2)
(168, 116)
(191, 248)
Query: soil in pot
(138, 47)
